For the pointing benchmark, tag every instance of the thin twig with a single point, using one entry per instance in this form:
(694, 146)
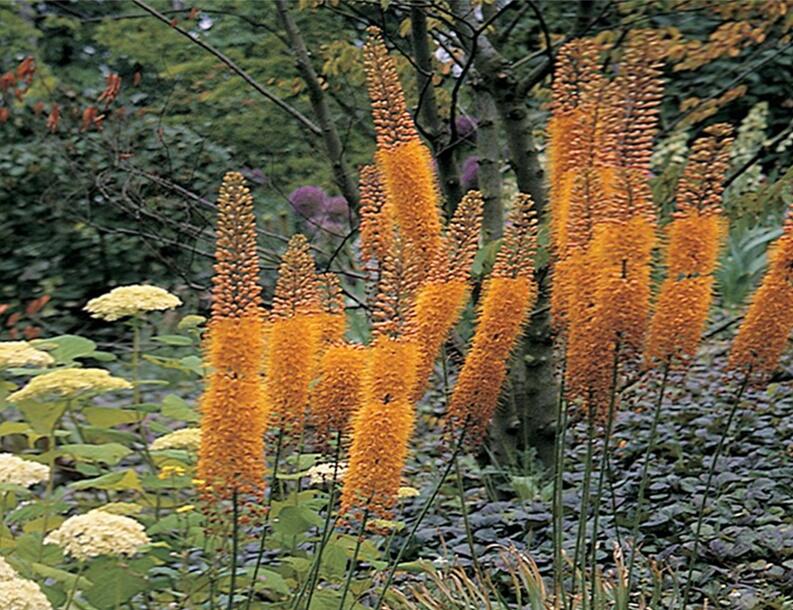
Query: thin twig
(301, 118)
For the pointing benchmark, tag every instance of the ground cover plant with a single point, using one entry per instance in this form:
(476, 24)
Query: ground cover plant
(416, 394)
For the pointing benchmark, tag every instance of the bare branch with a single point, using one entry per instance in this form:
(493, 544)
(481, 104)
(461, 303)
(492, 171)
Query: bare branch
(305, 121)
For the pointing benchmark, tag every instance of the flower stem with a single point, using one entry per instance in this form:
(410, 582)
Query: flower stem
(558, 507)
(584, 508)
(263, 538)
(711, 471)
(424, 510)
(603, 469)
(646, 472)
(354, 560)
(234, 544)
(326, 530)
(73, 589)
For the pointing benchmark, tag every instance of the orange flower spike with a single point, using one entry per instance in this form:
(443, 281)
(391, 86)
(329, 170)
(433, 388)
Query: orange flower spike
(333, 320)
(509, 296)
(294, 337)
(337, 397)
(441, 300)
(405, 164)
(577, 71)
(621, 254)
(297, 289)
(695, 235)
(766, 327)
(231, 457)
(376, 226)
(381, 429)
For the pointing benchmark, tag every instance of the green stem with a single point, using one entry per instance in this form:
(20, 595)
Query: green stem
(602, 473)
(646, 472)
(235, 524)
(558, 506)
(73, 589)
(711, 472)
(354, 560)
(583, 510)
(424, 510)
(468, 532)
(326, 530)
(263, 538)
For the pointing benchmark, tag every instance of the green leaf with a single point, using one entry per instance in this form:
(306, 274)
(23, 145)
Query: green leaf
(108, 453)
(106, 417)
(114, 585)
(61, 575)
(14, 427)
(176, 408)
(117, 481)
(42, 416)
(66, 348)
(272, 581)
(294, 520)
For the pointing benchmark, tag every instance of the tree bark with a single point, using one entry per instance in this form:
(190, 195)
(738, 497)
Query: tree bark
(428, 111)
(488, 148)
(528, 414)
(333, 146)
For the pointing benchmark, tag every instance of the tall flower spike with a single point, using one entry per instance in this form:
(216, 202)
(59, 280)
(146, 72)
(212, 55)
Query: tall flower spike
(381, 429)
(405, 164)
(509, 296)
(294, 337)
(765, 329)
(376, 226)
(577, 73)
(234, 416)
(581, 150)
(695, 235)
(639, 88)
(392, 306)
(440, 301)
(337, 397)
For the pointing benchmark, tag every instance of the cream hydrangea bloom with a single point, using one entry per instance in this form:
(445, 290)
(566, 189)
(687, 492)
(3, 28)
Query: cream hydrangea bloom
(68, 383)
(98, 532)
(22, 353)
(16, 471)
(6, 571)
(21, 594)
(186, 438)
(323, 473)
(131, 300)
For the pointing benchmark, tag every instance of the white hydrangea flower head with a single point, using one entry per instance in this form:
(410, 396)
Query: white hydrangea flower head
(98, 532)
(21, 594)
(6, 571)
(320, 474)
(69, 383)
(16, 471)
(15, 354)
(186, 438)
(132, 300)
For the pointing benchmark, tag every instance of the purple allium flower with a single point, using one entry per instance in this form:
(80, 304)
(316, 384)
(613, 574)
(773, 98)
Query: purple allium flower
(466, 126)
(308, 201)
(336, 207)
(469, 173)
